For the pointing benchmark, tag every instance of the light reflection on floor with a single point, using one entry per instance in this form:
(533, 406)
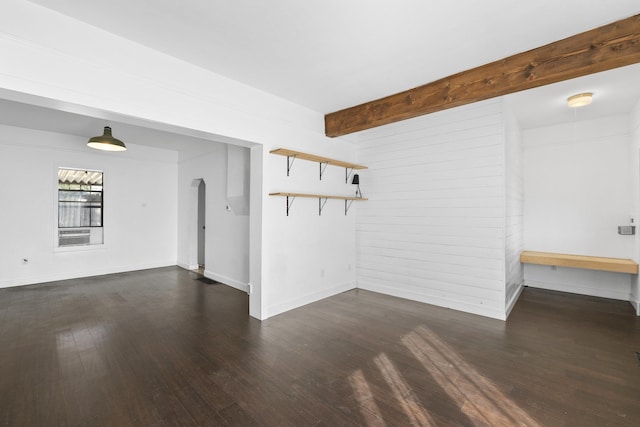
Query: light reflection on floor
(369, 409)
(403, 393)
(70, 343)
(478, 398)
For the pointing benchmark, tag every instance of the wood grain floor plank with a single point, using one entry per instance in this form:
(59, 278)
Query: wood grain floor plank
(157, 347)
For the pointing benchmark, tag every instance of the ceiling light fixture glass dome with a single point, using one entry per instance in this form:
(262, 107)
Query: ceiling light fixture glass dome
(580, 100)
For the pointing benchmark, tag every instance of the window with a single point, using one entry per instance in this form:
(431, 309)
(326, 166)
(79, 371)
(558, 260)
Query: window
(80, 207)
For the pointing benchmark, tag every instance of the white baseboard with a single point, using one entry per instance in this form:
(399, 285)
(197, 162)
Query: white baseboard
(440, 302)
(54, 277)
(187, 266)
(514, 299)
(282, 307)
(227, 281)
(636, 305)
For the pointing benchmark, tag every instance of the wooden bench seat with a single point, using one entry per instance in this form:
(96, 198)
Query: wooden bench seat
(618, 265)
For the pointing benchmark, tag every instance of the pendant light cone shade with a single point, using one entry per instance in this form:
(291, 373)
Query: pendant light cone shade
(580, 100)
(106, 142)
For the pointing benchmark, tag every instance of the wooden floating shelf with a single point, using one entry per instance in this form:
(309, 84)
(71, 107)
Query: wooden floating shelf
(313, 158)
(617, 265)
(323, 162)
(317, 196)
(347, 199)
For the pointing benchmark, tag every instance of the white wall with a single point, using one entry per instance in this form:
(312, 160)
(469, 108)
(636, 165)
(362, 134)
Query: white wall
(51, 60)
(577, 191)
(227, 234)
(434, 227)
(514, 208)
(238, 179)
(140, 207)
(635, 191)
(325, 244)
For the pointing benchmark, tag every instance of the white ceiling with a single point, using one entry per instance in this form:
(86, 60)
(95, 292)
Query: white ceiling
(45, 119)
(332, 54)
(614, 92)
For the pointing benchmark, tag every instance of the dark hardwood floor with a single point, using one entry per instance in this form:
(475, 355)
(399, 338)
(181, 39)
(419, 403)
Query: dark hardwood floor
(157, 347)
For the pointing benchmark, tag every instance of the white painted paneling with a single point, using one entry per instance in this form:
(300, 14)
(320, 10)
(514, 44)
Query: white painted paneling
(514, 209)
(577, 191)
(634, 156)
(433, 229)
(140, 208)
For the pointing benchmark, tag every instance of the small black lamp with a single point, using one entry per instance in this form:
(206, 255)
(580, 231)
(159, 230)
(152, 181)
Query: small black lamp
(356, 181)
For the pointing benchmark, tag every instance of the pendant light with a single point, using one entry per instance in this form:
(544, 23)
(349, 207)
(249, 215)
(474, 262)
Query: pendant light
(106, 142)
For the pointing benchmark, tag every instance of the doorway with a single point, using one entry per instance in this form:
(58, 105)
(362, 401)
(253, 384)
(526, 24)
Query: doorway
(196, 219)
(202, 209)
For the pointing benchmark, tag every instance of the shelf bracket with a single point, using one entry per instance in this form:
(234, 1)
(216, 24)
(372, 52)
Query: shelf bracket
(290, 160)
(289, 204)
(347, 206)
(347, 174)
(322, 168)
(321, 204)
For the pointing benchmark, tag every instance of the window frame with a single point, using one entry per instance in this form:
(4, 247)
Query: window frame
(90, 205)
(56, 205)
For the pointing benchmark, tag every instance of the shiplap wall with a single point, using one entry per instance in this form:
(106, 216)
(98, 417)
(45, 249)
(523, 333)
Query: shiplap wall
(433, 228)
(514, 208)
(634, 155)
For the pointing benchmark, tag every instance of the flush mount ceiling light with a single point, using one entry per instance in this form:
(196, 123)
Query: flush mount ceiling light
(106, 142)
(580, 100)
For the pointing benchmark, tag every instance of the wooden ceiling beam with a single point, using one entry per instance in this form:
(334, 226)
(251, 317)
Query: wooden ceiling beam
(604, 48)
